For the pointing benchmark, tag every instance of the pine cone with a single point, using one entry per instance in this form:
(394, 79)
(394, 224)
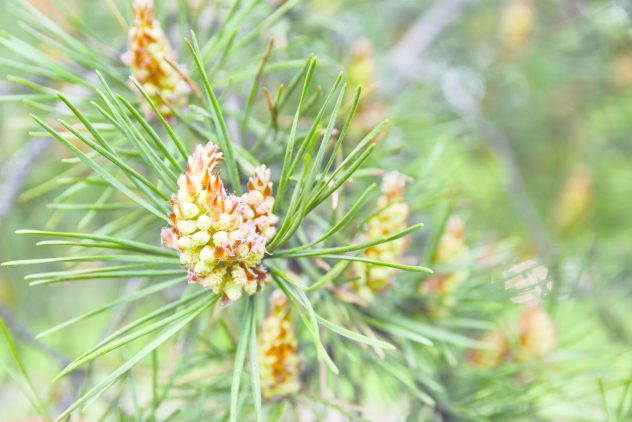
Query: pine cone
(148, 57)
(221, 237)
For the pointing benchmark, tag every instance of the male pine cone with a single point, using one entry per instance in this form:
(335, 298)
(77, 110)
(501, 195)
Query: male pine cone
(277, 349)
(152, 61)
(390, 219)
(221, 237)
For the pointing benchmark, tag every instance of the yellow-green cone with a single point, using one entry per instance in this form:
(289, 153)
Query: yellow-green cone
(221, 237)
(277, 347)
(149, 58)
(390, 219)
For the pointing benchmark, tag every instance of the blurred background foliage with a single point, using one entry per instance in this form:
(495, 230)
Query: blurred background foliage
(513, 115)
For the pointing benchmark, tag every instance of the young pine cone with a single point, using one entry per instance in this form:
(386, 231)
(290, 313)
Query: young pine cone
(278, 358)
(538, 335)
(535, 337)
(221, 237)
(148, 57)
(451, 248)
(390, 219)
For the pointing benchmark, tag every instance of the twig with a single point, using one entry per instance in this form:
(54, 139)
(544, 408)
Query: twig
(521, 202)
(26, 336)
(421, 35)
(16, 327)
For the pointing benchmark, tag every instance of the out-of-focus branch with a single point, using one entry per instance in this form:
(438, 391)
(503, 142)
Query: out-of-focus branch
(17, 167)
(15, 170)
(405, 59)
(26, 336)
(77, 376)
(498, 142)
(422, 34)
